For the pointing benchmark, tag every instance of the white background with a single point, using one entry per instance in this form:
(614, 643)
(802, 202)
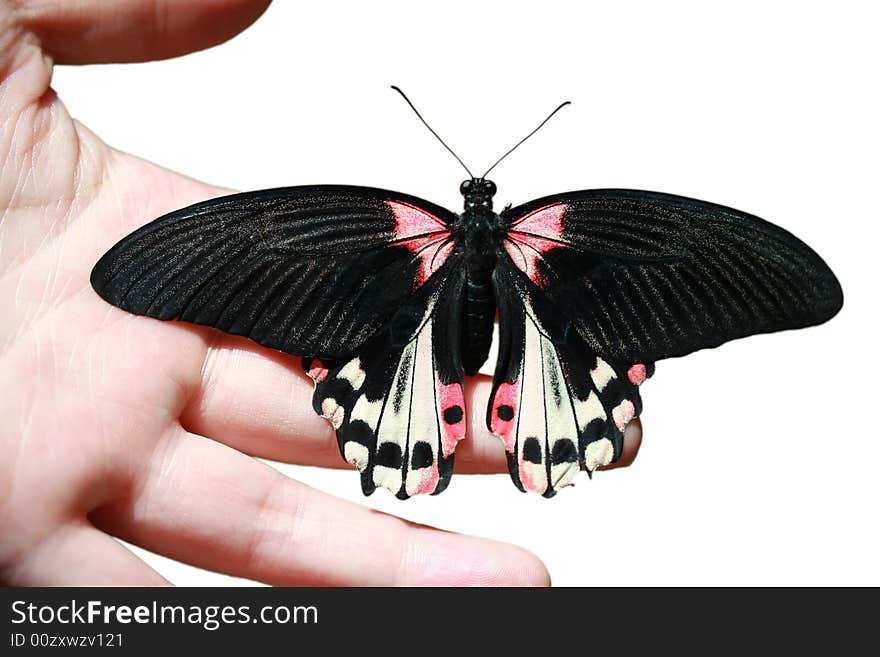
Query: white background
(760, 461)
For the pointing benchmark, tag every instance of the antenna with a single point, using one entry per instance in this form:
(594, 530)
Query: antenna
(568, 102)
(413, 107)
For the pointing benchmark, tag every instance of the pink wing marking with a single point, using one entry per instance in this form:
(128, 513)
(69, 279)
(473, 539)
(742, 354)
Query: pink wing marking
(525, 254)
(432, 255)
(535, 234)
(413, 222)
(451, 398)
(623, 413)
(504, 419)
(546, 221)
(423, 234)
(317, 371)
(637, 374)
(332, 412)
(533, 476)
(429, 478)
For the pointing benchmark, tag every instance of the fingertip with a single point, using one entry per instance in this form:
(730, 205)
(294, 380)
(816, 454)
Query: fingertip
(533, 570)
(438, 558)
(517, 566)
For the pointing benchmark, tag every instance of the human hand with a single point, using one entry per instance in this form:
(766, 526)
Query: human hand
(118, 425)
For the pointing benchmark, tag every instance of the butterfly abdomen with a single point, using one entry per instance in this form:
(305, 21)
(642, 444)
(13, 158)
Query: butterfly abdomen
(479, 321)
(479, 234)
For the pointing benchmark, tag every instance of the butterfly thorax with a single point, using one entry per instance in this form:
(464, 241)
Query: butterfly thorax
(477, 236)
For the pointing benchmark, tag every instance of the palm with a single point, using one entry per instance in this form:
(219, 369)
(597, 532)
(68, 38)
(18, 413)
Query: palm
(105, 414)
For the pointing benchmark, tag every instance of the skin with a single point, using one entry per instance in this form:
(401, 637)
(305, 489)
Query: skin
(117, 425)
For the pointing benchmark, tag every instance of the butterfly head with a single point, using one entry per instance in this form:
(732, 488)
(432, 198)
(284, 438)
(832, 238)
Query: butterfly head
(478, 193)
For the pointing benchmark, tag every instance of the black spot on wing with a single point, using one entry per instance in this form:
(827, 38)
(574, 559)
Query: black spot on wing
(532, 450)
(359, 432)
(422, 455)
(453, 415)
(564, 451)
(389, 455)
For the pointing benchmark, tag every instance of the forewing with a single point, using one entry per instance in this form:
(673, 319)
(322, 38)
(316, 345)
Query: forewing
(642, 276)
(398, 405)
(313, 271)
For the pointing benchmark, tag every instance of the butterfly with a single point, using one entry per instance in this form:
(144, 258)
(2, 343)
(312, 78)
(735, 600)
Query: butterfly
(391, 301)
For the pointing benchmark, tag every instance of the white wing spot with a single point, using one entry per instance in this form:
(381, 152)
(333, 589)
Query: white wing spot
(386, 477)
(623, 413)
(598, 453)
(353, 373)
(602, 374)
(357, 454)
(332, 411)
(367, 411)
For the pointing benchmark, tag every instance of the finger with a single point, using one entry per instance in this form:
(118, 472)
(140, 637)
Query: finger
(259, 401)
(80, 555)
(98, 31)
(206, 504)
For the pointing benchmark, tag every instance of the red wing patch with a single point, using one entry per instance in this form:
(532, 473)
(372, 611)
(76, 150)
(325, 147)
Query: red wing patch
(532, 236)
(425, 235)
(317, 371)
(637, 374)
(504, 409)
(450, 399)
(544, 222)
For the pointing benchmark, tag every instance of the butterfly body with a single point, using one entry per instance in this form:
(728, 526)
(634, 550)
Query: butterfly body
(391, 300)
(479, 235)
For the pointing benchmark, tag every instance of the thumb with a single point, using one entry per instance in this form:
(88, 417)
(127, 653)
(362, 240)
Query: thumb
(102, 31)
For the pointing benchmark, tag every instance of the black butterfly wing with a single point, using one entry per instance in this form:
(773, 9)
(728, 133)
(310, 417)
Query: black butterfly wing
(365, 283)
(595, 286)
(312, 271)
(645, 276)
(398, 404)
